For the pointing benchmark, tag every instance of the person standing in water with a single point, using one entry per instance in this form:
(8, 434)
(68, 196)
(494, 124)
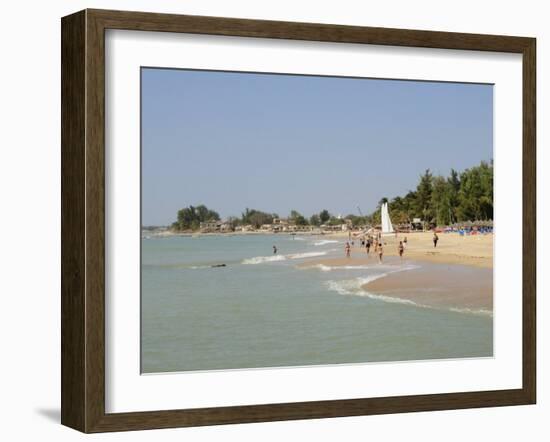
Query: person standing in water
(274, 250)
(436, 238)
(380, 252)
(400, 249)
(348, 250)
(367, 245)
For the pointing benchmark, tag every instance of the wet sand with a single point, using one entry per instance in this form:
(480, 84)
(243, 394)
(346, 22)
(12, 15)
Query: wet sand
(458, 274)
(441, 286)
(449, 286)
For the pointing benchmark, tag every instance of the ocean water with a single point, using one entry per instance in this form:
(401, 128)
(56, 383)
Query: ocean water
(261, 310)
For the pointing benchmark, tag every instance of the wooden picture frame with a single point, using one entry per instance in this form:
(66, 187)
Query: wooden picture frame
(83, 220)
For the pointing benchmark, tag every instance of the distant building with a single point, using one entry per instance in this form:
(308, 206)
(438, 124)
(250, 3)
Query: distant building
(210, 226)
(279, 225)
(226, 227)
(331, 228)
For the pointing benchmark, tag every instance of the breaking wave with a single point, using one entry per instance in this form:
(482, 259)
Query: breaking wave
(273, 258)
(481, 312)
(326, 268)
(355, 286)
(306, 255)
(264, 259)
(324, 241)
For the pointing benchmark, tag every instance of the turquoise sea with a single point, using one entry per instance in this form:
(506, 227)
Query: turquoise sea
(261, 310)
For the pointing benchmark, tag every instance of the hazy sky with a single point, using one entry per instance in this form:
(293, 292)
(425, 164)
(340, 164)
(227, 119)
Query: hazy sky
(283, 142)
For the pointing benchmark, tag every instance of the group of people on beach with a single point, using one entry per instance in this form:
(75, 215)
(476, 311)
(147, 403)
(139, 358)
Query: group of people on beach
(377, 243)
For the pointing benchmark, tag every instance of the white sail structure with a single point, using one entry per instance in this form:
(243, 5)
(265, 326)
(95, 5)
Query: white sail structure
(387, 226)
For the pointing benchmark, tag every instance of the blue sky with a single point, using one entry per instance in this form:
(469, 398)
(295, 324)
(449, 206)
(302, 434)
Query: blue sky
(283, 142)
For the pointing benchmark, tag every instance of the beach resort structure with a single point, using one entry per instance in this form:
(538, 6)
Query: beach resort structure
(210, 226)
(279, 225)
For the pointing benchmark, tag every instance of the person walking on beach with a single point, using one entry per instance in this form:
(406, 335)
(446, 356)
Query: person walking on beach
(367, 245)
(401, 249)
(380, 253)
(405, 242)
(274, 250)
(436, 238)
(348, 250)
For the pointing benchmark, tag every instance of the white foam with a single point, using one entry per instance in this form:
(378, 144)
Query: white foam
(324, 241)
(353, 286)
(325, 268)
(480, 312)
(264, 259)
(321, 267)
(306, 255)
(393, 299)
(273, 258)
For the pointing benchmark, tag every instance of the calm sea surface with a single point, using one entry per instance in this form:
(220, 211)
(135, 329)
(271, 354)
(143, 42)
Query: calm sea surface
(260, 310)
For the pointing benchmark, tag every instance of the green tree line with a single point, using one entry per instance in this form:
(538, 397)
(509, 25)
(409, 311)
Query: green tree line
(466, 196)
(440, 200)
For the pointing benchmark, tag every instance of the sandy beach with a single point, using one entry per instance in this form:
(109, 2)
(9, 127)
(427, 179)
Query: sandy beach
(455, 275)
(471, 250)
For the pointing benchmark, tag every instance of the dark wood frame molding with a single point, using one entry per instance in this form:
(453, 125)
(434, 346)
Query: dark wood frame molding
(83, 220)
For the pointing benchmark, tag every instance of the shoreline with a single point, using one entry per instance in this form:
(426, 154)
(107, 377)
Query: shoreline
(456, 275)
(452, 287)
(475, 251)
(449, 286)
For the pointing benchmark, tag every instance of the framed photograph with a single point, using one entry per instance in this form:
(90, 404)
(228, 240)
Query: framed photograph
(270, 220)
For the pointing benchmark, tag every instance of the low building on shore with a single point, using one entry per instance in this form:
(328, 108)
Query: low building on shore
(279, 225)
(226, 227)
(210, 226)
(331, 228)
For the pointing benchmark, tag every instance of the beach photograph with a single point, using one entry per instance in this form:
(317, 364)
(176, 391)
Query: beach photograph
(300, 220)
